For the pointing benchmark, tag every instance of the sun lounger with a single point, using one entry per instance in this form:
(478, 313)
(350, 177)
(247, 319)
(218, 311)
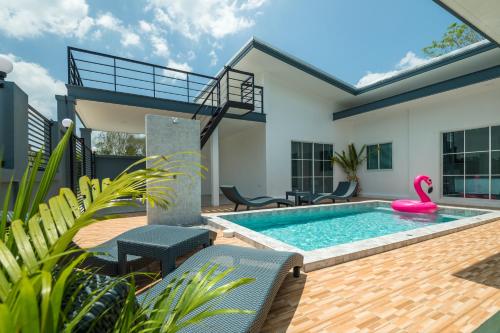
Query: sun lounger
(234, 195)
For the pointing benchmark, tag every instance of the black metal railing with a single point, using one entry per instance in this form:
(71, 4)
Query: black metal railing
(108, 72)
(234, 91)
(231, 86)
(82, 161)
(39, 136)
(104, 71)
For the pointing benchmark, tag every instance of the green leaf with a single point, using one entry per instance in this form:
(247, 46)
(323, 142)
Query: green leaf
(26, 310)
(6, 324)
(5, 211)
(24, 246)
(9, 263)
(50, 171)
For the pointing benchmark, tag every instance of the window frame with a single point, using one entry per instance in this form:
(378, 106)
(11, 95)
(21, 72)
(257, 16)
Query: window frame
(378, 169)
(313, 160)
(490, 175)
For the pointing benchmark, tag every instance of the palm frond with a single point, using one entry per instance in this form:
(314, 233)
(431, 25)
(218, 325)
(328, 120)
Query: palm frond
(350, 161)
(38, 263)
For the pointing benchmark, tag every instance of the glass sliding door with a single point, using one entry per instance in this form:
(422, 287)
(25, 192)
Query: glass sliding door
(312, 168)
(471, 163)
(495, 162)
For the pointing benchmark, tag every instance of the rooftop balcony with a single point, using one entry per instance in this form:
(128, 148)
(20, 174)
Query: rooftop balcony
(112, 73)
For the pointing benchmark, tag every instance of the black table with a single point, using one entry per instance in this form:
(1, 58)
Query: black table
(298, 195)
(163, 243)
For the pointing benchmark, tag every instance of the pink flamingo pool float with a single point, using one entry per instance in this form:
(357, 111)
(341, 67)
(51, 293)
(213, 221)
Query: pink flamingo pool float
(424, 206)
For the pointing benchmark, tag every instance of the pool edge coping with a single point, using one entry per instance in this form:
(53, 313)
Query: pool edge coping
(337, 254)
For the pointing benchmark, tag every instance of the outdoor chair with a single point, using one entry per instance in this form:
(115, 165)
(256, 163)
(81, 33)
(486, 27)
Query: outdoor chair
(177, 241)
(268, 267)
(344, 191)
(234, 195)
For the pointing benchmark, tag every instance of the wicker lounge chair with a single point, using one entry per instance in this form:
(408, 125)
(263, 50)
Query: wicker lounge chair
(234, 195)
(344, 191)
(179, 241)
(268, 267)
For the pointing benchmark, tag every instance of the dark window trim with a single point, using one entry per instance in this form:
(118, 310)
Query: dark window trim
(490, 175)
(312, 159)
(378, 156)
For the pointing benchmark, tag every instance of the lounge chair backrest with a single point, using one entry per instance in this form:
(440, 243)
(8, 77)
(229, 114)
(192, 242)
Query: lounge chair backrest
(232, 194)
(352, 189)
(342, 188)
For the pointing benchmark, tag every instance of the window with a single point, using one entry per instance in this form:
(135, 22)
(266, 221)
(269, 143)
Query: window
(471, 163)
(312, 168)
(379, 156)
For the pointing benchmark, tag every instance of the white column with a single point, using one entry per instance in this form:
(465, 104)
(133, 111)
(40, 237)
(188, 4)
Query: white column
(214, 167)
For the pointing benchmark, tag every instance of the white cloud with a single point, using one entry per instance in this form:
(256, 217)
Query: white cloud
(31, 18)
(130, 38)
(183, 66)
(411, 60)
(408, 62)
(69, 18)
(110, 22)
(145, 26)
(252, 4)
(216, 18)
(37, 82)
(191, 55)
(160, 46)
(213, 58)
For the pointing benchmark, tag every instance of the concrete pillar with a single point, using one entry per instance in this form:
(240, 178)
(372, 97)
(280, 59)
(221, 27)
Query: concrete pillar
(6, 126)
(164, 136)
(86, 135)
(214, 167)
(65, 108)
(13, 136)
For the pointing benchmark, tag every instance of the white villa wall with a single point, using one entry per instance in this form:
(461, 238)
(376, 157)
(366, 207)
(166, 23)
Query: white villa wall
(242, 160)
(383, 126)
(415, 130)
(295, 115)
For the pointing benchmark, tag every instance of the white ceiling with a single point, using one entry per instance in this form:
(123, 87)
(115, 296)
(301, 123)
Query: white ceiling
(483, 14)
(117, 117)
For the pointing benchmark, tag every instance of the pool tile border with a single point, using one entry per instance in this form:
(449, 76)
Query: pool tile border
(334, 255)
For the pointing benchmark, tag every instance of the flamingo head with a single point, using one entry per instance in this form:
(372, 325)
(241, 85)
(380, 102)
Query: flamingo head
(428, 181)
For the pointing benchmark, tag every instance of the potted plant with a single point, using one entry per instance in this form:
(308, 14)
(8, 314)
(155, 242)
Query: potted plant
(350, 162)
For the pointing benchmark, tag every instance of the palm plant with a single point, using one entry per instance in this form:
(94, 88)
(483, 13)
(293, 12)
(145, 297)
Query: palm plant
(38, 262)
(350, 161)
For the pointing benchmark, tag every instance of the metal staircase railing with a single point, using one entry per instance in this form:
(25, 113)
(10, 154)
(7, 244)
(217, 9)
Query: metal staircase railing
(233, 90)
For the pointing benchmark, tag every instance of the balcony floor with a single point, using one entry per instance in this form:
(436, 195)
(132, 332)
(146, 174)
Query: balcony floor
(446, 284)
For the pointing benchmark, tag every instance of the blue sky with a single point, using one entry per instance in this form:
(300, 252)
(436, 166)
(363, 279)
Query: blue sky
(348, 39)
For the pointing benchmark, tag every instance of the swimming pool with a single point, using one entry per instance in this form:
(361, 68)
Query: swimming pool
(316, 229)
(331, 234)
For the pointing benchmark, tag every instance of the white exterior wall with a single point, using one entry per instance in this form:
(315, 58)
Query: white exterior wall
(242, 160)
(294, 115)
(415, 130)
(259, 161)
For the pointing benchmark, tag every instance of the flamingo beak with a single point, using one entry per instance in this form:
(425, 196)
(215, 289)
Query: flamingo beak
(429, 190)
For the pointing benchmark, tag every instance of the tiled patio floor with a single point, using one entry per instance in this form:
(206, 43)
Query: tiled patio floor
(447, 284)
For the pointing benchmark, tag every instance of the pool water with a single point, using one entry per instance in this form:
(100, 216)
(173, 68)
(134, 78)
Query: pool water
(311, 229)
